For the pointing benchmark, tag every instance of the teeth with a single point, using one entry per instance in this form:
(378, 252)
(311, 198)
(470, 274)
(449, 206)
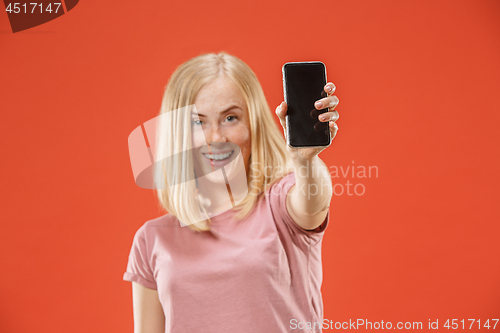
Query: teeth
(218, 157)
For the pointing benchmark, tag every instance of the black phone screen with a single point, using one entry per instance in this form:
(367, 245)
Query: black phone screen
(303, 85)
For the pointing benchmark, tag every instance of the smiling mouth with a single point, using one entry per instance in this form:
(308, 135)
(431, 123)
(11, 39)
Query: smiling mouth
(219, 157)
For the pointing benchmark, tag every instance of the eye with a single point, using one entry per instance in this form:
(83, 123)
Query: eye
(196, 122)
(231, 118)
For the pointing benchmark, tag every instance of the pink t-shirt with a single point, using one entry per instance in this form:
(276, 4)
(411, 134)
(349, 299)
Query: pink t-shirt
(259, 274)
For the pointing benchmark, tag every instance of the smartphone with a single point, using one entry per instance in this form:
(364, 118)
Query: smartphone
(303, 85)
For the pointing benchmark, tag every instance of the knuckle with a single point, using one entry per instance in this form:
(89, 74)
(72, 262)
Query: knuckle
(334, 101)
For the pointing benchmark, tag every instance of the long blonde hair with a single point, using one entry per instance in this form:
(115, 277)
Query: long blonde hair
(268, 150)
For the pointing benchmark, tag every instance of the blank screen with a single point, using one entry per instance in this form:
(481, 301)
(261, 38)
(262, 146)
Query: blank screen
(303, 86)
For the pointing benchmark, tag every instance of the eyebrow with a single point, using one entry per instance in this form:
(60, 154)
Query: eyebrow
(222, 112)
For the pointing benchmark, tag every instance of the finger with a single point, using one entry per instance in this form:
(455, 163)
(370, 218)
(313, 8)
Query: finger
(327, 102)
(281, 113)
(329, 116)
(330, 88)
(281, 110)
(333, 129)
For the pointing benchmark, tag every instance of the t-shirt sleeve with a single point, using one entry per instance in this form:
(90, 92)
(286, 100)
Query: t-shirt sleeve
(277, 198)
(139, 265)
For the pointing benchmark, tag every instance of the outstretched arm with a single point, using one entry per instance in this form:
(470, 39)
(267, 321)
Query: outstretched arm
(309, 199)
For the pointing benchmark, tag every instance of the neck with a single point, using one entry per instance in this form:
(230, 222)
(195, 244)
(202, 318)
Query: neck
(214, 196)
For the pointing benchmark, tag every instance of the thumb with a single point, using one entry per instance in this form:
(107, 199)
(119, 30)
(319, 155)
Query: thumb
(281, 113)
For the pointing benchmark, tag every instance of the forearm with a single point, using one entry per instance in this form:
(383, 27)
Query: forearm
(313, 186)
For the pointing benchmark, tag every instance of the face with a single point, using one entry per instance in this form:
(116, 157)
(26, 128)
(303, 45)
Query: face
(220, 128)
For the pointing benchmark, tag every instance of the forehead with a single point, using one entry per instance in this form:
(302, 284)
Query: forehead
(218, 95)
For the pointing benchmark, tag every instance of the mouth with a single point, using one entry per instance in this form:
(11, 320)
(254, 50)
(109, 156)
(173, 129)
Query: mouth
(218, 156)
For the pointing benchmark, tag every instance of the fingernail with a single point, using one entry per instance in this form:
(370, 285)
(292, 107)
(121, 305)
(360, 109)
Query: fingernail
(329, 88)
(322, 117)
(319, 104)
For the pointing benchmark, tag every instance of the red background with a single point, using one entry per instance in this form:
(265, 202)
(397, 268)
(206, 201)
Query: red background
(418, 86)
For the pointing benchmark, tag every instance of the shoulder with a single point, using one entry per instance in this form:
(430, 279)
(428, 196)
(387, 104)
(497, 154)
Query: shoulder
(276, 193)
(281, 186)
(151, 226)
(167, 220)
(287, 180)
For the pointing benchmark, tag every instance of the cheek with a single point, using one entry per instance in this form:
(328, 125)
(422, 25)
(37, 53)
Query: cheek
(242, 138)
(198, 138)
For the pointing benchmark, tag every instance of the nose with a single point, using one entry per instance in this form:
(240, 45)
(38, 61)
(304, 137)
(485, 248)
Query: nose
(215, 134)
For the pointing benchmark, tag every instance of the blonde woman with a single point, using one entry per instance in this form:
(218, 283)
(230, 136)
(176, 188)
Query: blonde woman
(230, 255)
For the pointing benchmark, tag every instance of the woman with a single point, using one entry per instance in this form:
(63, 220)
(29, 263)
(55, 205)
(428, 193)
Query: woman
(227, 257)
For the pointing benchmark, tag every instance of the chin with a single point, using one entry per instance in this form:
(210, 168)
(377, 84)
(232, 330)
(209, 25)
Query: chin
(233, 173)
(215, 177)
